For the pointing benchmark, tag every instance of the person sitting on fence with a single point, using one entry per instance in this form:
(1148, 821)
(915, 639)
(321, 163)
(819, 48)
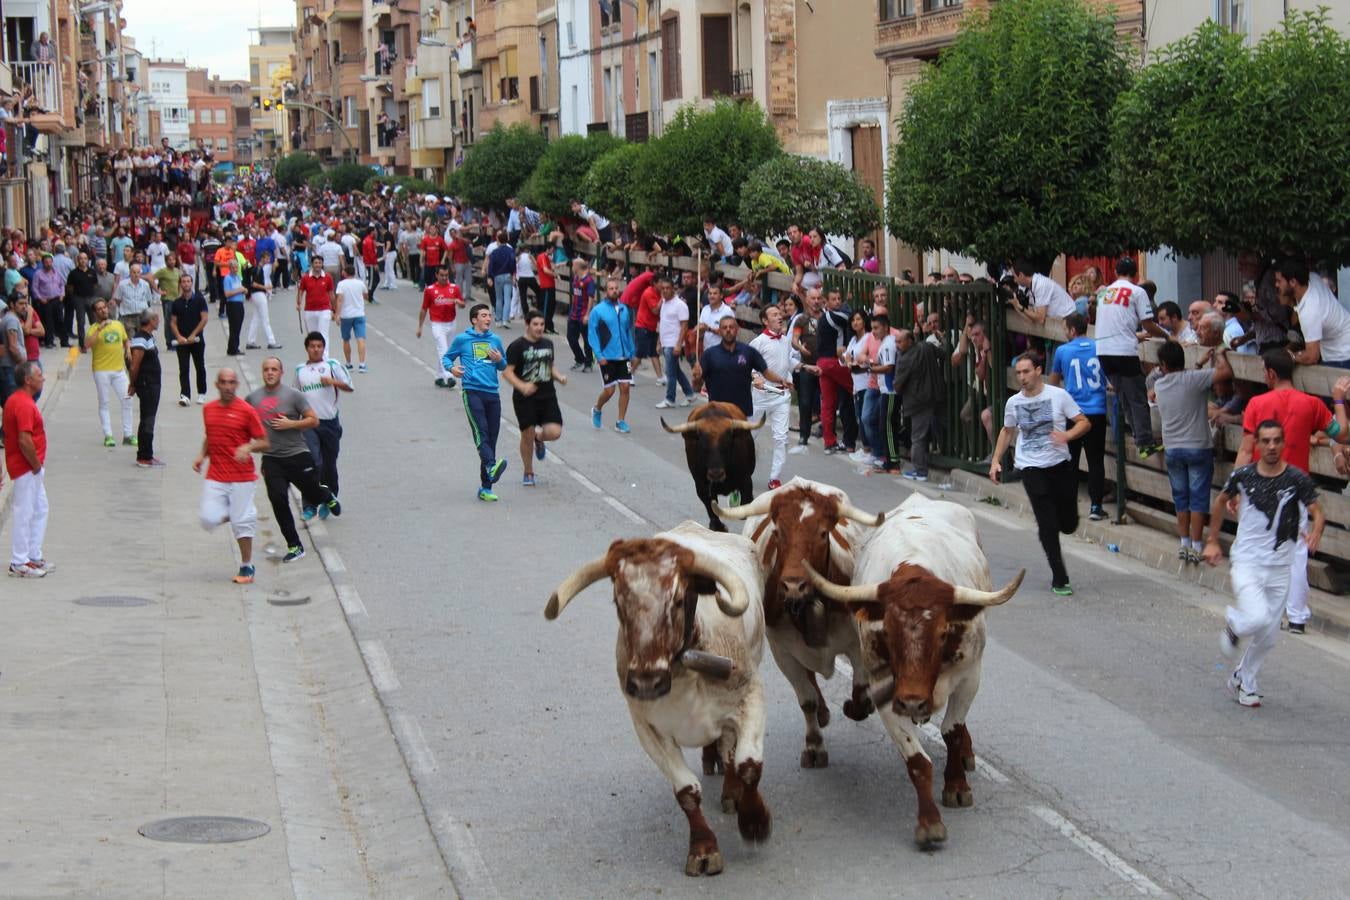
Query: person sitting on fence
(1183, 401)
(1048, 299)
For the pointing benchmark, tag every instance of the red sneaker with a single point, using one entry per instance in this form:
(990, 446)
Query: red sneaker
(775, 484)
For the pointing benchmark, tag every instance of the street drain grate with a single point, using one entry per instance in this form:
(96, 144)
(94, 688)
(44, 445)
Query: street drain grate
(284, 598)
(205, 830)
(113, 600)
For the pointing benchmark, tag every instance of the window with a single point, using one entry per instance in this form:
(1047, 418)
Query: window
(609, 92)
(431, 98)
(939, 5)
(349, 108)
(243, 117)
(1231, 14)
(491, 85)
(576, 122)
(220, 117)
(510, 80)
(618, 101)
(222, 143)
(253, 73)
(716, 55)
(670, 59)
(895, 9)
(192, 117)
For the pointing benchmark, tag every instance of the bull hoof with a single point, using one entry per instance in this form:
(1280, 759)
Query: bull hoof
(858, 711)
(703, 863)
(968, 763)
(716, 525)
(929, 836)
(728, 804)
(815, 758)
(954, 799)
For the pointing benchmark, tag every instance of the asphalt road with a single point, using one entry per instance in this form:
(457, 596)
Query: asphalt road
(1112, 761)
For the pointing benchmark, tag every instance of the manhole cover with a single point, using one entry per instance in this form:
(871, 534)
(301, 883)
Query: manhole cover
(284, 598)
(205, 830)
(113, 600)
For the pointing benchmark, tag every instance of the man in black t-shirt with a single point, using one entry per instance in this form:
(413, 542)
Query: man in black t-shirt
(530, 370)
(726, 368)
(188, 316)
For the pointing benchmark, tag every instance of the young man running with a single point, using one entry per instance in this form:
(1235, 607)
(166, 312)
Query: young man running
(322, 379)
(440, 302)
(611, 336)
(351, 312)
(287, 415)
(233, 434)
(530, 370)
(316, 296)
(1272, 495)
(475, 357)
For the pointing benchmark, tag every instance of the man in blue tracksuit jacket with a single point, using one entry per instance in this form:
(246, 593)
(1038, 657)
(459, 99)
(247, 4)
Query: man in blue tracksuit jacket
(475, 357)
(611, 337)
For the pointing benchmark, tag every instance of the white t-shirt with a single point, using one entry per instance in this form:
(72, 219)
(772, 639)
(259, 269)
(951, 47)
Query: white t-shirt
(1046, 292)
(352, 291)
(855, 350)
(712, 318)
(887, 354)
(1271, 514)
(322, 399)
(1034, 418)
(1121, 306)
(719, 241)
(157, 251)
(524, 264)
(1322, 318)
(349, 245)
(331, 253)
(674, 313)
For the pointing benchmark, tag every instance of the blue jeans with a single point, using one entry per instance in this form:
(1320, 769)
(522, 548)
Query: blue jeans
(673, 372)
(1191, 473)
(485, 418)
(503, 290)
(871, 423)
(325, 442)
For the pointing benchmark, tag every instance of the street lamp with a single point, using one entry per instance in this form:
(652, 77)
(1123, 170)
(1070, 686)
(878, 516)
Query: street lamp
(369, 78)
(432, 42)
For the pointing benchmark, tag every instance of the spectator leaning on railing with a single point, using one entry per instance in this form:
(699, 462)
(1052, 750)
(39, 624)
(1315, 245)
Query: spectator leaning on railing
(1324, 322)
(1123, 310)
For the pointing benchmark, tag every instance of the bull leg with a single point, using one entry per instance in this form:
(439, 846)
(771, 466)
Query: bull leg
(712, 760)
(859, 707)
(802, 679)
(960, 753)
(747, 762)
(726, 764)
(930, 831)
(705, 858)
(707, 494)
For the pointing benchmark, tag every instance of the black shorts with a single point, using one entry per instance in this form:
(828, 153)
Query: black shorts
(606, 234)
(614, 372)
(536, 410)
(644, 341)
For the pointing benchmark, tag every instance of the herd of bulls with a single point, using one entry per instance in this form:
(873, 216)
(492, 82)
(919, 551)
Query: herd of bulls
(900, 594)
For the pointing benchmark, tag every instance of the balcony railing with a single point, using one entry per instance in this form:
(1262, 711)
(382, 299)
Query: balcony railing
(742, 83)
(45, 80)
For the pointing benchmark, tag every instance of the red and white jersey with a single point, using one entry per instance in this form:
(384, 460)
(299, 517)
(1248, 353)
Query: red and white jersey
(441, 300)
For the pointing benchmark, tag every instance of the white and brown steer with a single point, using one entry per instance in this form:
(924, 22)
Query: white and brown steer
(921, 586)
(670, 634)
(808, 523)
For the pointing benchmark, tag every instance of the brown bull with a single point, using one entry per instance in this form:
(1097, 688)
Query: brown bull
(720, 452)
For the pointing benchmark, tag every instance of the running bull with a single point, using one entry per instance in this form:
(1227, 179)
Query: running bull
(691, 636)
(720, 451)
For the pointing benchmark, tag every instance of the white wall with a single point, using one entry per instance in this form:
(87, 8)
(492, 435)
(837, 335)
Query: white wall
(574, 66)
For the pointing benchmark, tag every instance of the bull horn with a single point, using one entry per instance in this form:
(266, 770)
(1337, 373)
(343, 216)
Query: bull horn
(972, 597)
(737, 600)
(839, 593)
(678, 429)
(756, 507)
(849, 511)
(746, 425)
(578, 581)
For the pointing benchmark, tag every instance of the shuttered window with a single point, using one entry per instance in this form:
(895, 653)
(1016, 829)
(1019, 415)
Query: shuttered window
(670, 59)
(716, 56)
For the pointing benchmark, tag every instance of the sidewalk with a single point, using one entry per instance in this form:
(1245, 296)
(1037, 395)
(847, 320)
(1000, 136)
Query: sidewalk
(137, 683)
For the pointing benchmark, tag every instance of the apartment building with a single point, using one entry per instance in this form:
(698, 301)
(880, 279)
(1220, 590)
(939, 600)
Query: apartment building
(211, 123)
(329, 99)
(239, 93)
(269, 63)
(169, 100)
(433, 88)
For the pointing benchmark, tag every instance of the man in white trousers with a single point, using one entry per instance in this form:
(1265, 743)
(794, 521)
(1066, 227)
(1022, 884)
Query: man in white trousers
(314, 299)
(774, 401)
(107, 342)
(440, 301)
(390, 280)
(259, 284)
(25, 460)
(1272, 495)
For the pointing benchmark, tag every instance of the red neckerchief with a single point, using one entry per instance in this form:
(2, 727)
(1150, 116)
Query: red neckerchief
(770, 335)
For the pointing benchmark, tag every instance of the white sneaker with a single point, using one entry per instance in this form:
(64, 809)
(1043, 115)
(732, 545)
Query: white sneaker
(201, 399)
(861, 456)
(183, 400)
(798, 449)
(665, 404)
(684, 401)
(661, 381)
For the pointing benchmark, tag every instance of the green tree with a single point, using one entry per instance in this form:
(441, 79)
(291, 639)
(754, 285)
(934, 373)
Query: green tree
(561, 170)
(1003, 148)
(609, 185)
(498, 164)
(807, 191)
(698, 164)
(1223, 146)
(346, 177)
(293, 169)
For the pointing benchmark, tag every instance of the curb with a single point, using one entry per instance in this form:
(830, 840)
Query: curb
(49, 398)
(1330, 614)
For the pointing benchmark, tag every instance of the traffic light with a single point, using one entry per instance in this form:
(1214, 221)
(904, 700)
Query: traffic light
(280, 105)
(257, 104)
(267, 104)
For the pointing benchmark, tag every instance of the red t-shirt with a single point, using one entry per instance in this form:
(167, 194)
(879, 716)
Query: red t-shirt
(21, 414)
(246, 247)
(459, 251)
(633, 290)
(542, 265)
(227, 428)
(649, 310)
(1301, 415)
(432, 248)
(318, 292)
(368, 250)
(440, 301)
(187, 254)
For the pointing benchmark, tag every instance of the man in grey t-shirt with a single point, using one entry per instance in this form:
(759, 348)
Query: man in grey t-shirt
(12, 352)
(1183, 403)
(286, 414)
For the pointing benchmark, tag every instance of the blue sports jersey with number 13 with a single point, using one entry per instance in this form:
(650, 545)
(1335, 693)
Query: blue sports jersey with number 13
(1076, 362)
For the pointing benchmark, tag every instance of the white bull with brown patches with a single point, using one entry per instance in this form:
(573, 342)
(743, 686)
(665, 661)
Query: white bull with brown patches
(691, 637)
(920, 588)
(809, 523)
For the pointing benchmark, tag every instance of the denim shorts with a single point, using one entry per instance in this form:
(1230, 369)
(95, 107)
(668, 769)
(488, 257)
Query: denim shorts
(1191, 473)
(356, 324)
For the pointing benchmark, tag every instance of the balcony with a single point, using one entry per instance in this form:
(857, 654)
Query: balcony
(346, 11)
(742, 83)
(45, 80)
(919, 34)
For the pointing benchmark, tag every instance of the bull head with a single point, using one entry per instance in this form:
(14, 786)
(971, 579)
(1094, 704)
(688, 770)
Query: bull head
(923, 621)
(713, 427)
(653, 578)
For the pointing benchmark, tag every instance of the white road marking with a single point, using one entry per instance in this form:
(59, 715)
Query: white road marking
(628, 513)
(350, 600)
(589, 485)
(473, 877)
(1138, 880)
(381, 669)
(331, 561)
(421, 760)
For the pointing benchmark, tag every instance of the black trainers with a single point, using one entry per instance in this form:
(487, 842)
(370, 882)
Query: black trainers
(1097, 514)
(1297, 628)
(293, 553)
(335, 507)
(1148, 450)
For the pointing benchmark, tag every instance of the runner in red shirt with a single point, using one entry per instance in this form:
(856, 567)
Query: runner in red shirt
(234, 432)
(440, 301)
(543, 266)
(316, 294)
(370, 256)
(432, 246)
(247, 246)
(646, 321)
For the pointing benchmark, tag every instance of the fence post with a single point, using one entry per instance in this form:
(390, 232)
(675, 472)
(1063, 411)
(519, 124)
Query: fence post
(1118, 431)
